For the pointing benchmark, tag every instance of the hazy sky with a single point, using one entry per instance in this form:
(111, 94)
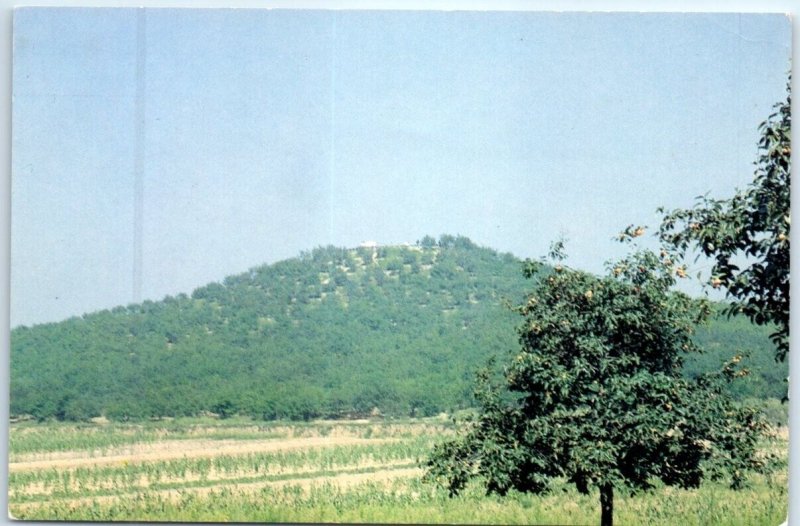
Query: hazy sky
(270, 132)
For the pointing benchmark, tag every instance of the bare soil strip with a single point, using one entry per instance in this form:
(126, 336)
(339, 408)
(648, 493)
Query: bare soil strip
(341, 481)
(177, 449)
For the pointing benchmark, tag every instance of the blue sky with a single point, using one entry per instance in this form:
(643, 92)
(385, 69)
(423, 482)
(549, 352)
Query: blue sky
(270, 132)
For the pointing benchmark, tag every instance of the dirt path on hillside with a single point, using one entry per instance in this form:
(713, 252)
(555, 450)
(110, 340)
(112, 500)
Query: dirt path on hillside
(341, 481)
(177, 449)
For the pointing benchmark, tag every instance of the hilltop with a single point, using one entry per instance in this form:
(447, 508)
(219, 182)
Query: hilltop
(335, 332)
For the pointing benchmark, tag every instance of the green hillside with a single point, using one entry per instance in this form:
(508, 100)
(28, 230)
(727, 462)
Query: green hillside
(336, 332)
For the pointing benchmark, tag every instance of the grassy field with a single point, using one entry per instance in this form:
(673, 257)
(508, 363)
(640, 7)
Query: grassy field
(359, 471)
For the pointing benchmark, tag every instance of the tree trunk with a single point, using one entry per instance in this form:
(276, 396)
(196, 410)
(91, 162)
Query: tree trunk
(606, 505)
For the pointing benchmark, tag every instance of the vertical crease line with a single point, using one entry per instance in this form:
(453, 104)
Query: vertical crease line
(738, 97)
(332, 155)
(138, 171)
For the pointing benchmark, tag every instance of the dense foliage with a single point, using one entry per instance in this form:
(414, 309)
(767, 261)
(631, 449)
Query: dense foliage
(333, 333)
(747, 235)
(596, 394)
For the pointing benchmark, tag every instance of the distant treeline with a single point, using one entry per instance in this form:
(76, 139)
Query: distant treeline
(391, 330)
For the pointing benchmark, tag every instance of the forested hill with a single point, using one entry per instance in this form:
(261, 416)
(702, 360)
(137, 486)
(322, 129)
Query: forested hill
(336, 332)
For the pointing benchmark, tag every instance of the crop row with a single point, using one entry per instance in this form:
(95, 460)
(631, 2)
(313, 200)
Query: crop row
(186, 484)
(408, 500)
(130, 474)
(45, 438)
(100, 439)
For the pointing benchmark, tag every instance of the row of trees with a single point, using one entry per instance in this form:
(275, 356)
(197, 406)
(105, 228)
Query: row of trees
(596, 395)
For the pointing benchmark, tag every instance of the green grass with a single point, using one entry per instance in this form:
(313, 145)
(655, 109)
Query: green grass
(30, 437)
(413, 502)
(137, 491)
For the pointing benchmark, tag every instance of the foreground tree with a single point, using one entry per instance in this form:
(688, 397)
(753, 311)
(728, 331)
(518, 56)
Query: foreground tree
(595, 395)
(747, 236)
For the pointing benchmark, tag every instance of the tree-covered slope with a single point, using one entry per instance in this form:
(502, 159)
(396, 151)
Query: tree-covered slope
(335, 332)
(332, 332)
(725, 337)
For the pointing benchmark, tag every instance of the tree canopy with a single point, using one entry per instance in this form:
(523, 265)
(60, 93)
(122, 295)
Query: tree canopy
(595, 393)
(747, 235)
